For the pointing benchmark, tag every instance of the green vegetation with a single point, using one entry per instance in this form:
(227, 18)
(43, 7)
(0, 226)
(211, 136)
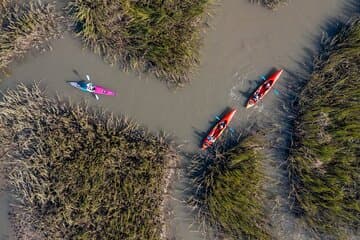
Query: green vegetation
(23, 27)
(272, 4)
(162, 37)
(79, 174)
(229, 192)
(324, 160)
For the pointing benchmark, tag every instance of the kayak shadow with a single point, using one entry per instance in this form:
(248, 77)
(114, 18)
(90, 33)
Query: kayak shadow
(70, 83)
(200, 135)
(245, 94)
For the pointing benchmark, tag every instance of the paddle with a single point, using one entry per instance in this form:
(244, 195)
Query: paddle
(96, 96)
(277, 93)
(263, 77)
(88, 78)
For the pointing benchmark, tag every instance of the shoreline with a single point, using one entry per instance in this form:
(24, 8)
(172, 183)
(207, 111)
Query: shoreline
(169, 180)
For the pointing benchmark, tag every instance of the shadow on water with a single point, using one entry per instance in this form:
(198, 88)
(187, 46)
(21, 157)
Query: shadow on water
(199, 135)
(245, 94)
(77, 74)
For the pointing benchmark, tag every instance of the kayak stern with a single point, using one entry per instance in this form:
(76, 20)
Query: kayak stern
(250, 103)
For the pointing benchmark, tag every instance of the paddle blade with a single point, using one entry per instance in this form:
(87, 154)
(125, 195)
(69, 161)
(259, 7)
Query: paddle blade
(276, 92)
(217, 118)
(88, 77)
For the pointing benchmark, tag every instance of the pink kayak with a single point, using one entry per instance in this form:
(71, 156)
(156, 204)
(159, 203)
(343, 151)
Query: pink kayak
(88, 87)
(104, 91)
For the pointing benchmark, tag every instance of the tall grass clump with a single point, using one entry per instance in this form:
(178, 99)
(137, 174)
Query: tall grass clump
(228, 190)
(4, 12)
(324, 159)
(272, 4)
(162, 37)
(79, 174)
(4, 4)
(24, 27)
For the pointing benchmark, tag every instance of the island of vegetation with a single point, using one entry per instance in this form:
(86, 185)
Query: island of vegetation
(324, 159)
(229, 192)
(24, 27)
(162, 37)
(75, 173)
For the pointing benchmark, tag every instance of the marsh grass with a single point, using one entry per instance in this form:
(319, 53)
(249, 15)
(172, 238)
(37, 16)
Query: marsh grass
(324, 160)
(272, 4)
(24, 27)
(4, 4)
(162, 37)
(228, 190)
(79, 174)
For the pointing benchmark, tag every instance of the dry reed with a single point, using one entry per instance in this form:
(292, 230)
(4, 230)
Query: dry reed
(80, 174)
(162, 37)
(24, 27)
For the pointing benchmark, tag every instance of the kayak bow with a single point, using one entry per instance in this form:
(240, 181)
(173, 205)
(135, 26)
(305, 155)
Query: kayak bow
(104, 91)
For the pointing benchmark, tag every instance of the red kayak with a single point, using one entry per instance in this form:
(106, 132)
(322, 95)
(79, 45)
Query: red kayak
(263, 89)
(218, 129)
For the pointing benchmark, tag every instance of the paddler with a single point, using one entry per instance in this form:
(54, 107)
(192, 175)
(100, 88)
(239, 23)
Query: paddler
(267, 86)
(90, 87)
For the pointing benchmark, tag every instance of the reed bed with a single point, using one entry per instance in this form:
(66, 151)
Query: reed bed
(324, 161)
(162, 37)
(4, 12)
(4, 4)
(24, 27)
(271, 4)
(79, 174)
(228, 190)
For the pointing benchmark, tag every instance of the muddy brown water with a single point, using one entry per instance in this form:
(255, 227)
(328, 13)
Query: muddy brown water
(244, 42)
